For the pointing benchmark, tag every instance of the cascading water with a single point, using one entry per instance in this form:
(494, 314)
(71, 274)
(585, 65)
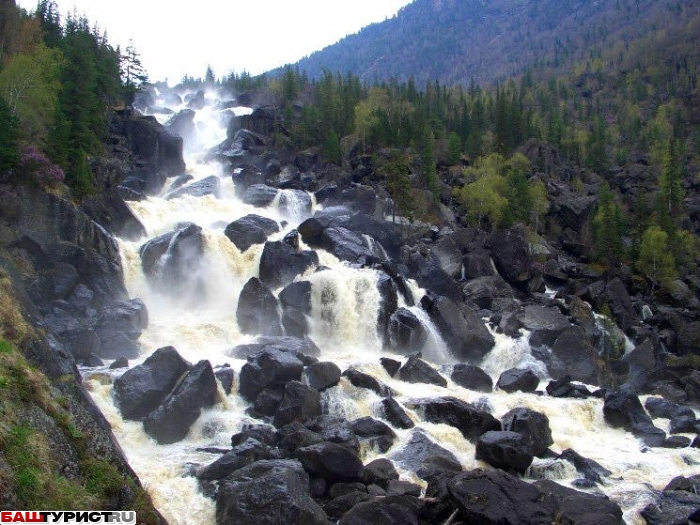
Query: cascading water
(345, 304)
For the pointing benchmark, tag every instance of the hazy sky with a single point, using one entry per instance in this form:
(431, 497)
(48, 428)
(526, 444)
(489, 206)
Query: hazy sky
(175, 38)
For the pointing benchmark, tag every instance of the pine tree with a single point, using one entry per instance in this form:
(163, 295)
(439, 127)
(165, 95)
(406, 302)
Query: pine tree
(9, 133)
(133, 73)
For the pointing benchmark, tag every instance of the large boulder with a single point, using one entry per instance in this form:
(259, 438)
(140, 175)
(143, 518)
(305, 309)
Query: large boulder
(278, 495)
(269, 367)
(300, 402)
(280, 263)
(574, 356)
(375, 432)
(395, 414)
(573, 506)
(471, 377)
(330, 461)
(509, 451)
(425, 267)
(512, 256)
(471, 421)
(462, 329)
(139, 390)
(624, 410)
(259, 195)
(171, 421)
(362, 380)
(119, 325)
(422, 455)
(207, 186)
(534, 427)
(322, 375)
(545, 323)
(258, 311)
(415, 370)
(249, 230)
(518, 379)
(406, 333)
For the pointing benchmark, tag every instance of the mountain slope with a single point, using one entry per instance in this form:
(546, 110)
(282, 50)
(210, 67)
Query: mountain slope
(455, 41)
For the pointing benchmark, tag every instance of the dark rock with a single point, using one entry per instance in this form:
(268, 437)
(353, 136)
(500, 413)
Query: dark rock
(477, 264)
(300, 403)
(406, 333)
(121, 362)
(423, 456)
(689, 338)
(683, 425)
(338, 506)
(397, 487)
(249, 230)
(267, 402)
(425, 268)
(591, 470)
(492, 497)
(545, 322)
(573, 356)
(257, 311)
(690, 484)
(673, 507)
(295, 435)
(379, 472)
(509, 451)
(347, 245)
(660, 407)
(280, 263)
(297, 296)
(279, 496)
(376, 432)
(518, 379)
(241, 455)
(395, 414)
(335, 430)
(386, 286)
(392, 510)
(292, 238)
(472, 377)
(259, 195)
(534, 426)
(341, 489)
(118, 328)
(468, 419)
(362, 380)
(565, 388)
(573, 506)
(390, 365)
(295, 204)
(512, 256)
(623, 410)
(109, 210)
(269, 367)
(322, 375)
(487, 293)
(207, 186)
(171, 421)
(302, 347)
(461, 328)
(225, 376)
(676, 442)
(265, 434)
(139, 391)
(415, 370)
(331, 461)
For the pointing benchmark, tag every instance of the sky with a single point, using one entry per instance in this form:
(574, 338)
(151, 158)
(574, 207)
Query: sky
(177, 38)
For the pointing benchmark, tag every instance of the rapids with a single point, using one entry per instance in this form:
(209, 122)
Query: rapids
(344, 307)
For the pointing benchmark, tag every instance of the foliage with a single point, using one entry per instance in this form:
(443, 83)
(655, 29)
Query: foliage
(33, 166)
(9, 135)
(133, 73)
(655, 261)
(608, 228)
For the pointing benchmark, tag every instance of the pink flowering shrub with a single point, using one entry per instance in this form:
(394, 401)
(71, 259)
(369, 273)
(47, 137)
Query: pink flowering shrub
(34, 166)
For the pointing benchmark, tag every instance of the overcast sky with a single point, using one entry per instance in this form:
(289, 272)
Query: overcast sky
(175, 38)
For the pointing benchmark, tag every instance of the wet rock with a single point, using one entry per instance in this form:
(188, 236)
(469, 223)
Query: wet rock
(292, 238)
(477, 264)
(334, 429)
(379, 472)
(376, 432)
(472, 377)
(590, 469)
(280, 264)
(461, 328)
(347, 245)
(676, 442)
(322, 375)
(338, 506)
(423, 456)
(573, 355)
(509, 451)
(225, 376)
(299, 403)
(249, 230)
(623, 410)
(295, 204)
(397, 487)
(207, 186)
(660, 407)
(387, 306)
(171, 421)
(406, 333)
(118, 328)
(280, 495)
(424, 267)
(512, 256)
(468, 419)
(297, 296)
(487, 293)
(534, 427)
(565, 388)
(139, 390)
(395, 414)
(265, 434)
(415, 370)
(545, 322)
(331, 461)
(241, 455)
(267, 402)
(391, 510)
(573, 506)
(390, 365)
(296, 435)
(257, 311)
(683, 425)
(493, 497)
(689, 339)
(362, 380)
(518, 379)
(259, 195)
(672, 507)
(269, 367)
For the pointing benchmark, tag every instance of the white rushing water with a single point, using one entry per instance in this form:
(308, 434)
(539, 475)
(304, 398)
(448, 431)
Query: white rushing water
(345, 303)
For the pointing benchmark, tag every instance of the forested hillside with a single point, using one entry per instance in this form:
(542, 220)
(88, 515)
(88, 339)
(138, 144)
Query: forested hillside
(457, 41)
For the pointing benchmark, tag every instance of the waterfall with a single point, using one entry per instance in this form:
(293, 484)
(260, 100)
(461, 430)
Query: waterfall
(345, 305)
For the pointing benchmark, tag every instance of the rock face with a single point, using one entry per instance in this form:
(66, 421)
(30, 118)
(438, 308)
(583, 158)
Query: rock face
(258, 311)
